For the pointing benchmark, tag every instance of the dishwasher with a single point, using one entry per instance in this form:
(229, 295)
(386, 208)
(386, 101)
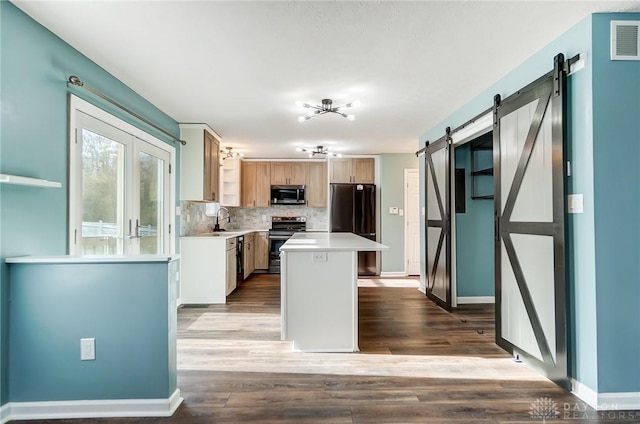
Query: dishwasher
(239, 259)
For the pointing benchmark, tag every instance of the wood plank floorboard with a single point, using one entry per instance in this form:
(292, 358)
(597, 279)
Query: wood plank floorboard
(417, 364)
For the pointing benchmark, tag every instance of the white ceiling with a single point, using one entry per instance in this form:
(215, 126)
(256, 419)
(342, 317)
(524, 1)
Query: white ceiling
(241, 66)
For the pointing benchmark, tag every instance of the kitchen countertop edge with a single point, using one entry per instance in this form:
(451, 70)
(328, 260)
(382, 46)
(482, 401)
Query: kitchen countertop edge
(330, 242)
(226, 234)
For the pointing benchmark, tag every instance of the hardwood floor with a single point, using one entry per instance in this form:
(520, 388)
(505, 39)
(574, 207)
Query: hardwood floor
(418, 364)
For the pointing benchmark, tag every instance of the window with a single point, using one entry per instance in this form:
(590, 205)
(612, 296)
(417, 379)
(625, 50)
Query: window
(121, 190)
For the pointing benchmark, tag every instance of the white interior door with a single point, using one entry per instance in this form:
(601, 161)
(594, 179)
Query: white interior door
(529, 209)
(412, 221)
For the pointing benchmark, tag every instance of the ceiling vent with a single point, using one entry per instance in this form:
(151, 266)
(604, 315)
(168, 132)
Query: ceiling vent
(625, 40)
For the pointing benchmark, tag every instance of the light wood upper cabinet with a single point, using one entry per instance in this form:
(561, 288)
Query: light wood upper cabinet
(261, 250)
(316, 190)
(353, 170)
(363, 170)
(341, 170)
(256, 187)
(286, 173)
(200, 157)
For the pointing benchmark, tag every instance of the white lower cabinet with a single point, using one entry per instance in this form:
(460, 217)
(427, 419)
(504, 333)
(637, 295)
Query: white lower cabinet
(208, 269)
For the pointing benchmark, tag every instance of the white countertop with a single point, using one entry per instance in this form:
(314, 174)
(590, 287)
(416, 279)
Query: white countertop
(345, 242)
(90, 259)
(225, 234)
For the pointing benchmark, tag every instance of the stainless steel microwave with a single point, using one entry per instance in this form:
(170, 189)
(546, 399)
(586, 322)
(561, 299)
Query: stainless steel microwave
(287, 195)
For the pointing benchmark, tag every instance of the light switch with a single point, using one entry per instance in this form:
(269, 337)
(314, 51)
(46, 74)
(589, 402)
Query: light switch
(575, 203)
(422, 211)
(401, 212)
(393, 210)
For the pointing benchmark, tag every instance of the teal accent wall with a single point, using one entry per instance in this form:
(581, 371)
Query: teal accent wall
(583, 360)
(474, 233)
(616, 153)
(34, 141)
(125, 307)
(603, 243)
(392, 166)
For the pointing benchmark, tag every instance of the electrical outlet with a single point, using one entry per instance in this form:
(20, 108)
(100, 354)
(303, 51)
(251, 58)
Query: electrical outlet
(319, 257)
(88, 349)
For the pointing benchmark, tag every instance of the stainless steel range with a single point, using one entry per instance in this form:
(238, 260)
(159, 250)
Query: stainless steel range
(282, 227)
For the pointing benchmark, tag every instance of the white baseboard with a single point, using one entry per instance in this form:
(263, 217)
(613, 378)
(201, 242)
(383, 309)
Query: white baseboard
(462, 300)
(587, 394)
(628, 401)
(4, 413)
(393, 274)
(93, 408)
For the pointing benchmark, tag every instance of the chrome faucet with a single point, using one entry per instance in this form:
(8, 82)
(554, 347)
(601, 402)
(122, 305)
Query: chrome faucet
(217, 226)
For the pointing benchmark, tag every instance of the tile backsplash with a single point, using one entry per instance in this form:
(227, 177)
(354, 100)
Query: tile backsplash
(193, 219)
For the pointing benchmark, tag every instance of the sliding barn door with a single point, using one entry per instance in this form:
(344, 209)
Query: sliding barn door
(530, 213)
(438, 222)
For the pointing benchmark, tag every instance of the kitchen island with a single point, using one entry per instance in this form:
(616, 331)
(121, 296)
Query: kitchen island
(319, 290)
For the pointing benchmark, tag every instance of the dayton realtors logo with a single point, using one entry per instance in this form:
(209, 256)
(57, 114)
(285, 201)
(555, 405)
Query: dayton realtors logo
(544, 408)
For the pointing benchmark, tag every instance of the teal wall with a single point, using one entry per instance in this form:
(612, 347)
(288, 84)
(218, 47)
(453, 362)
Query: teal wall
(616, 153)
(580, 245)
(603, 243)
(474, 233)
(123, 306)
(35, 65)
(392, 166)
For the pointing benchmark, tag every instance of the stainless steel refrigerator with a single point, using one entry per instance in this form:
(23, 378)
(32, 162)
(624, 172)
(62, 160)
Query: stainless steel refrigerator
(353, 210)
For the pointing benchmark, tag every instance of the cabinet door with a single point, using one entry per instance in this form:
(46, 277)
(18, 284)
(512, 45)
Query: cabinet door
(262, 251)
(297, 173)
(279, 173)
(262, 184)
(363, 170)
(231, 270)
(248, 185)
(247, 252)
(341, 170)
(214, 177)
(208, 146)
(317, 185)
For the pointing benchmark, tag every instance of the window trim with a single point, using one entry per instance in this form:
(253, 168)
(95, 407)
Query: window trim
(76, 104)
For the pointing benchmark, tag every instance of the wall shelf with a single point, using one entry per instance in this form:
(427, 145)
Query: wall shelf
(33, 182)
(482, 166)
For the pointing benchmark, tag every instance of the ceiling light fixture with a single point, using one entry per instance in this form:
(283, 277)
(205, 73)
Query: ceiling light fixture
(229, 154)
(319, 150)
(326, 107)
